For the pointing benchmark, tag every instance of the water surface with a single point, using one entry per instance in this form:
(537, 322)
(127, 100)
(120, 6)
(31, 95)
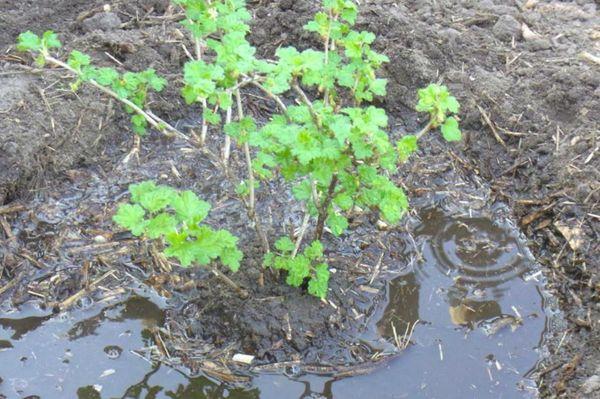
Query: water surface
(470, 304)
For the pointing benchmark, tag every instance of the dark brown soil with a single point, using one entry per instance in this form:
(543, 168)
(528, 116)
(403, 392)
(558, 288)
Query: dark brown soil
(530, 112)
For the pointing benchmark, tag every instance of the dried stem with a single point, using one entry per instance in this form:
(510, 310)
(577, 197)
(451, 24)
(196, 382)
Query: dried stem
(241, 292)
(303, 229)
(204, 128)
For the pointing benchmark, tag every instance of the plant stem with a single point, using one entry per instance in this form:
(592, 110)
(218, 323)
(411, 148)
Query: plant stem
(204, 129)
(274, 97)
(301, 234)
(308, 103)
(241, 292)
(155, 122)
(323, 208)
(251, 205)
(426, 129)
(227, 144)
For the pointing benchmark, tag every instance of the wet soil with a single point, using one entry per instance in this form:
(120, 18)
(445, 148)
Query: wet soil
(530, 104)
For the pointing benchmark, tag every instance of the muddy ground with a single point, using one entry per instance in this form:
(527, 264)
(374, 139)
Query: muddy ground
(524, 72)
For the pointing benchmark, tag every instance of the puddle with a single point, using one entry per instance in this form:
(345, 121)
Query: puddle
(53, 356)
(479, 323)
(476, 324)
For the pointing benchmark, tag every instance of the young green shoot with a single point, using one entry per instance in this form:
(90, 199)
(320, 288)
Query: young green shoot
(130, 88)
(174, 219)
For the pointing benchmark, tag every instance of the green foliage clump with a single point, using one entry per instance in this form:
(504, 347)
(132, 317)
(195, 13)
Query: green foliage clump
(161, 212)
(131, 86)
(307, 266)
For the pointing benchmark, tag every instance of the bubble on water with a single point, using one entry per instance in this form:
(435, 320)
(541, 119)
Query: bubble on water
(85, 302)
(63, 317)
(293, 371)
(113, 351)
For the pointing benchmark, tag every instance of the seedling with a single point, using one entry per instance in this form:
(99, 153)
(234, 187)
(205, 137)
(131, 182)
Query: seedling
(174, 218)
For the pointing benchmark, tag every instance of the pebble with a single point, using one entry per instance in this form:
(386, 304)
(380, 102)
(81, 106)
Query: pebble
(592, 384)
(506, 28)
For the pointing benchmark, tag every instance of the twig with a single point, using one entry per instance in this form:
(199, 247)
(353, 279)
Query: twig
(487, 120)
(6, 209)
(376, 269)
(227, 144)
(241, 292)
(424, 131)
(67, 303)
(274, 97)
(324, 207)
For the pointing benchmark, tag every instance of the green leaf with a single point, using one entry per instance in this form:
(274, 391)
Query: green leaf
(137, 190)
(337, 223)
(231, 258)
(344, 201)
(50, 40)
(298, 270)
(302, 191)
(131, 217)
(105, 76)
(319, 283)
(211, 117)
(378, 87)
(189, 208)
(314, 250)
(450, 130)
(341, 127)
(160, 225)
(78, 60)
(285, 244)
(182, 249)
(158, 198)
(269, 259)
(29, 41)
(406, 146)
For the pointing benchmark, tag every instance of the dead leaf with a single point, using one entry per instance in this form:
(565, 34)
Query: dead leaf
(528, 34)
(573, 235)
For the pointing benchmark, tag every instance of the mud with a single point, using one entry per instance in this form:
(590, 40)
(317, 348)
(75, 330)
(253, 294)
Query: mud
(529, 112)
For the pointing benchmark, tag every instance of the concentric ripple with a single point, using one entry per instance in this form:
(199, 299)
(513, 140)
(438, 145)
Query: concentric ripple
(474, 250)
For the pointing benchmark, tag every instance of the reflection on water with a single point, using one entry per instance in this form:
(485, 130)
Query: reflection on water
(52, 356)
(471, 305)
(476, 323)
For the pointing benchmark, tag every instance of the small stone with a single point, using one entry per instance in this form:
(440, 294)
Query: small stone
(102, 21)
(100, 239)
(592, 384)
(506, 28)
